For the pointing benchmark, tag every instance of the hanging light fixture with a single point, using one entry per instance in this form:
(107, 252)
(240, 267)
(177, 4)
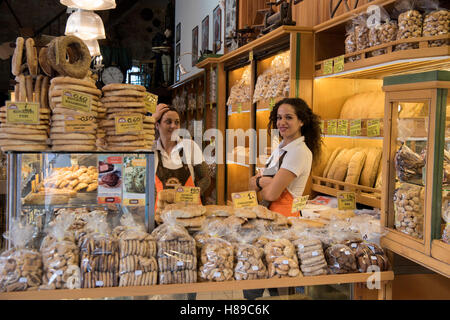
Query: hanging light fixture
(90, 4)
(93, 46)
(85, 25)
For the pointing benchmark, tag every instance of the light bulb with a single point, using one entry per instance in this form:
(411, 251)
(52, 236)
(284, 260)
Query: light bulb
(90, 4)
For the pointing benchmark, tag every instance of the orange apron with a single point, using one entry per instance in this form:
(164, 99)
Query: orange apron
(170, 178)
(283, 204)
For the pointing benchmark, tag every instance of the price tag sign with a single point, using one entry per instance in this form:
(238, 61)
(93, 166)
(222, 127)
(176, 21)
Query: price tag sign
(332, 127)
(355, 127)
(328, 66)
(373, 127)
(150, 101)
(187, 195)
(342, 127)
(244, 199)
(76, 100)
(22, 112)
(271, 103)
(128, 124)
(79, 123)
(250, 55)
(239, 108)
(346, 200)
(339, 64)
(299, 203)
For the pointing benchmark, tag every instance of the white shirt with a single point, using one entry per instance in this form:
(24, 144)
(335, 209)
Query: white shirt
(298, 160)
(192, 153)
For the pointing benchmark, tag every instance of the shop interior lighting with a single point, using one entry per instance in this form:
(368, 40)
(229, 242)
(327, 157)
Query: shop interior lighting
(86, 25)
(90, 4)
(93, 46)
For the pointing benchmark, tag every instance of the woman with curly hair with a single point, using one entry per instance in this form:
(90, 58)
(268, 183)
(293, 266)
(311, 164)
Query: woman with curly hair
(287, 170)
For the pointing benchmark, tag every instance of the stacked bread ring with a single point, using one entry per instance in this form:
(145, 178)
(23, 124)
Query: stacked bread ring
(63, 139)
(123, 100)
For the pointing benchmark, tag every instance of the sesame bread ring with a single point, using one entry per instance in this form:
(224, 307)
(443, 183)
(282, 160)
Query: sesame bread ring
(44, 63)
(23, 126)
(124, 104)
(122, 99)
(10, 142)
(22, 131)
(73, 147)
(32, 58)
(17, 56)
(123, 86)
(19, 136)
(73, 142)
(60, 87)
(28, 147)
(63, 130)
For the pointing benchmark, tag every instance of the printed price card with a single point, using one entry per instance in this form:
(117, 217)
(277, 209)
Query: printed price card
(373, 127)
(339, 64)
(187, 195)
(244, 199)
(332, 127)
(299, 203)
(342, 127)
(346, 200)
(150, 101)
(22, 112)
(129, 124)
(328, 66)
(355, 127)
(79, 123)
(76, 100)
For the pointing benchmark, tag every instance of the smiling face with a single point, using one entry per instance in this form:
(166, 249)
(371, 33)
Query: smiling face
(170, 122)
(288, 123)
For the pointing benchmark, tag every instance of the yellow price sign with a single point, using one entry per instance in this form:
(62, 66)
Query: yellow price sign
(22, 112)
(250, 55)
(342, 127)
(355, 127)
(346, 200)
(79, 123)
(299, 203)
(332, 127)
(244, 199)
(150, 101)
(328, 66)
(373, 127)
(129, 124)
(339, 64)
(76, 100)
(187, 195)
(239, 109)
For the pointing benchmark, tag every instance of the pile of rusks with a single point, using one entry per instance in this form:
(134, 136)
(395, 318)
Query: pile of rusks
(42, 73)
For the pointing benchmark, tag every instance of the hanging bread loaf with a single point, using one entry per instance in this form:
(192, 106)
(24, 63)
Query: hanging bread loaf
(32, 58)
(370, 169)
(17, 56)
(355, 166)
(330, 161)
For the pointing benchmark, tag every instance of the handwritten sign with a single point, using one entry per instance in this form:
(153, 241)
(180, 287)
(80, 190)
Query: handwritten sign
(76, 100)
(79, 123)
(299, 203)
(342, 127)
(355, 127)
(22, 112)
(346, 200)
(244, 199)
(373, 127)
(128, 124)
(187, 195)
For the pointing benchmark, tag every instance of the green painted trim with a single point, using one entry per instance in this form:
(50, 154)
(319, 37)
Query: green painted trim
(438, 157)
(297, 66)
(438, 75)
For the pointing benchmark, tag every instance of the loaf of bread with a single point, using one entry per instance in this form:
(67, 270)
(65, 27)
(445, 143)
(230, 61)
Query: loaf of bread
(330, 161)
(355, 166)
(366, 105)
(370, 169)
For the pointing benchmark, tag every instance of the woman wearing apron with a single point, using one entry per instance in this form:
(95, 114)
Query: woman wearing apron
(289, 166)
(177, 161)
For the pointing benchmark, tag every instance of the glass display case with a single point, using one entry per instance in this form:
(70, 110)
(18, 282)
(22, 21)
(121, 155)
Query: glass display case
(417, 163)
(40, 185)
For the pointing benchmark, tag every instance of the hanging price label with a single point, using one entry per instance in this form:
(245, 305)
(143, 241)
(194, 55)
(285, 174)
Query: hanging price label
(79, 123)
(373, 127)
(187, 195)
(76, 100)
(346, 200)
(22, 112)
(338, 64)
(150, 101)
(128, 124)
(299, 203)
(342, 127)
(328, 66)
(332, 127)
(355, 127)
(244, 199)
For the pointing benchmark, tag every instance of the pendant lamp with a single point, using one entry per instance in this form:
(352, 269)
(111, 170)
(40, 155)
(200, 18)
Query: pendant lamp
(93, 46)
(90, 4)
(85, 25)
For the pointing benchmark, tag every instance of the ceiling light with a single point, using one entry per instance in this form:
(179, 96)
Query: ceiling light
(93, 46)
(90, 4)
(85, 25)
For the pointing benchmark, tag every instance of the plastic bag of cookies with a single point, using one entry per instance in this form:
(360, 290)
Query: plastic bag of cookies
(350, 42)
(408, 208)
(370, 255)
(281, 258)
(20, 267)
(60, 256)
(341, 259)
(410, 22)
(436, 22)
(310, 255)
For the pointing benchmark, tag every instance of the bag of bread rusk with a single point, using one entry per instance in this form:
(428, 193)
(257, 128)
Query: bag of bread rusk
(371, 257)
(20, 267)
(99, 255)
(60, 256)
(410, 22)
(176, 253)
(281, 258)
(137, 250)
(341, 259)
(435, 22)
(310, 254)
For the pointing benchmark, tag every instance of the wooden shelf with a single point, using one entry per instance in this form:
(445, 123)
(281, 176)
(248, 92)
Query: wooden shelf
(441, 251)
(361, 192)
(194, 287)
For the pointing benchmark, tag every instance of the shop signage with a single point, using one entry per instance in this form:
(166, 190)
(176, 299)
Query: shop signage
(346, 200)
(244, 199)
(299, 203)
(76, 100)
(22, 112)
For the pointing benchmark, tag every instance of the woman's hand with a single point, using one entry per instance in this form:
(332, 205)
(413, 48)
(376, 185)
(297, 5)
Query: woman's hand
(160, 109)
